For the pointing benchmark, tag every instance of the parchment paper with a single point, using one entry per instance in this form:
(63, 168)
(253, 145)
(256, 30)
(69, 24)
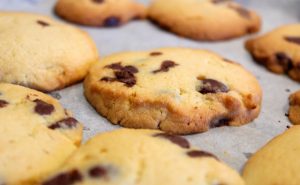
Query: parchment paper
(231, 144)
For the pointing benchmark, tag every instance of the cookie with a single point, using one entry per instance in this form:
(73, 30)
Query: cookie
(294, 110)
(204, 19)
(278, 50)
(150, 158)
(41, 53)
(108, 13)
(277, 162)
(36, 135)
(177, 90)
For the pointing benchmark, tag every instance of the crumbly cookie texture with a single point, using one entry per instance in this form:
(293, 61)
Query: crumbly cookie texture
(278, 50)
(142, 157)
(177, 90)
(277, 162)
(204, 19)
(36, 135)
(294, 110)
(41, 53)
(108, 13)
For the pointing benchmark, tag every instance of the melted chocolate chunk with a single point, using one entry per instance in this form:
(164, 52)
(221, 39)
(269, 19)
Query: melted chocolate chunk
(64, 123)
(212, 86)
(155, 53)
(42, 107)
(126, 77)
(112, 21)
(284, 60)
(67, 178)
(293, 39)
(165, 66)
(198, 153)
(241, 11)
(122, 74)
(116, 66)
(98, 1)
(3, 103)
(42, 23)
(98, 172)
(219, 122)
(182, 142)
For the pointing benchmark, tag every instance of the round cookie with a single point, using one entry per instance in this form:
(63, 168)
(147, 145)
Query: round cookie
(36, 135)
(294, 110)
(177, 90)
(204, 19)
(142, 157)
(278, 50)
(41, 53)
(108, 13)
(277, 162)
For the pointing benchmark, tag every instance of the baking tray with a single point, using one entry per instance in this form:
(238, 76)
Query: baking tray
(233, 145)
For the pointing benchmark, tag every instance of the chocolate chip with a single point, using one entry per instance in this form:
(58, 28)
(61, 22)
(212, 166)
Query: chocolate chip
(165, 66)
(42, 23)
(125, 77)
(212, 86)
(112, 21)
(98, 172)
(198, 153)
(284, 60)
(3, 103)
(288, 126)
(286, 114)
(219, 122)
(155, 53)
(67, 178)
(64, 123)
(42, 107)
(116, 66)
(175, 139)
(293, 39)
(130, 69)
(108, 79)
(98, 1)
(241, 11)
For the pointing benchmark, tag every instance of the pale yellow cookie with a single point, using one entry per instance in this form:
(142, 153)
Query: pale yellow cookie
(41, 53)
(142, 157)
(36, 135)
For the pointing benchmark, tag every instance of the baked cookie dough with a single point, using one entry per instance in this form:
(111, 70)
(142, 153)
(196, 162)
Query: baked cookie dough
(108, 13)
(41, 53)
(209, 20)
(278, 50)
(142, 157)
(277, 162)
(36, 135)
(294, 110)
(177, 90)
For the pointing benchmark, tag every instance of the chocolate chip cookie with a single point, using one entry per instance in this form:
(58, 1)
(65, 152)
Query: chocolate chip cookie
(210, 20)
(278, 50)
(41, 53)
(36, 135)
(177, 90)
(294, 110)
(108, 13)
(142, 157)
(277, 162)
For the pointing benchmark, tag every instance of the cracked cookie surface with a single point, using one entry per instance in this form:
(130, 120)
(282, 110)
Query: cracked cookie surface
(277, 162)
(36, 135)
(107, 13)
(204, 19)
(278, 50)
(41, 53)
(142, 157)
(177, 90)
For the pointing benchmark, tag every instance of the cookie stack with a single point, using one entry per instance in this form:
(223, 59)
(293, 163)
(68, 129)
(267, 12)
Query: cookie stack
(156, 94)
